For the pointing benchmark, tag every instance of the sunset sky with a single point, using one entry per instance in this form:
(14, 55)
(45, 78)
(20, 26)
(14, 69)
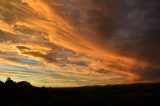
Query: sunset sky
(65, 43)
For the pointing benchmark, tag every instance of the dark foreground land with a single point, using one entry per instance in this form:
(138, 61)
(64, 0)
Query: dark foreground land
(24, 94)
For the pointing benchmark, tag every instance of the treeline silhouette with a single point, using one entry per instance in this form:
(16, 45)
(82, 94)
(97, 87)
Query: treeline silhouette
(10, 85)
(24, 94)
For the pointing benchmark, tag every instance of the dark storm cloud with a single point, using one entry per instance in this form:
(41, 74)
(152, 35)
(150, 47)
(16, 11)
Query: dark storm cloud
(127, 27)
(138, 32)
(130, 27)
(149, 74)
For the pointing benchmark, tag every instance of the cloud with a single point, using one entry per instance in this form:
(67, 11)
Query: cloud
(126, 28)
(104, 41)
(129, 28)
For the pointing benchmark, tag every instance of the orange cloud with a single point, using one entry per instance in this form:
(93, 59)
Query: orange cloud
(85, 39)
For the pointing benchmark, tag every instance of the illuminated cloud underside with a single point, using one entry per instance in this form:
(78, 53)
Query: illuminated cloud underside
(79, 42)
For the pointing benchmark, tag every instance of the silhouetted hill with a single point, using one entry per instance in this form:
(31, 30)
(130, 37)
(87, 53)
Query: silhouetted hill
(24, 94)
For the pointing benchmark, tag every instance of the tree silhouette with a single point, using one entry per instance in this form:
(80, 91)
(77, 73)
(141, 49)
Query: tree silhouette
(1, 84)
(24, 84)
(9, 84)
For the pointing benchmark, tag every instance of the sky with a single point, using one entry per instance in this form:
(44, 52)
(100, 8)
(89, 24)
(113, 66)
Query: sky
(66, 43)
